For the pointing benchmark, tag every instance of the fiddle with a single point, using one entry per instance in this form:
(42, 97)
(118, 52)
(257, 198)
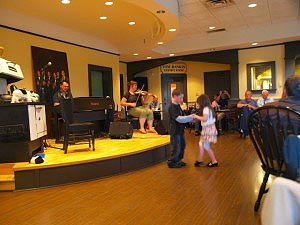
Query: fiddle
(143, 93)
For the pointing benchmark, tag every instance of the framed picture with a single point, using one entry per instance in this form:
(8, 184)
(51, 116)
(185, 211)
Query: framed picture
(50, 68)
(261, 76)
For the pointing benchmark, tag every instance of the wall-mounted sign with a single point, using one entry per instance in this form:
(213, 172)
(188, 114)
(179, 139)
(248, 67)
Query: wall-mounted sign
(173, 68)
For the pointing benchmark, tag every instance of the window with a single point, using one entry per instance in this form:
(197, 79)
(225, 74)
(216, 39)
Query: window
(261, 76)
(100, 81)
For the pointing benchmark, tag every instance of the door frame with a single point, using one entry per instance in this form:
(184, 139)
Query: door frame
(165, 78)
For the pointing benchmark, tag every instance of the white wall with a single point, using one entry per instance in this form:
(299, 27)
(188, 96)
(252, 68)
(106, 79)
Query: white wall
(263, 54)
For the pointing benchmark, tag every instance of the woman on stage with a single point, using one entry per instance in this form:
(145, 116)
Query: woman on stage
(136, 103)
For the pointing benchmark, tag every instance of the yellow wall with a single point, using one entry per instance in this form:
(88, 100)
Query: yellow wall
(195, 78)
(257, 55)
(18, 49)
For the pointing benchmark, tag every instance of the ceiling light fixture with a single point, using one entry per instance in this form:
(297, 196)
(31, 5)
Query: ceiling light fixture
(171, 54)
(254, 44)
(109, 3)
(172, 29)
(211, 27)
(160, 43)
(252, 5)
(161, 11)
(149, 57)
(131, 23)
(65, 2)
(135, 54)
(103, 17)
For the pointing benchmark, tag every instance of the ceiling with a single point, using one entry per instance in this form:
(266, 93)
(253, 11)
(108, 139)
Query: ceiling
(272, 21)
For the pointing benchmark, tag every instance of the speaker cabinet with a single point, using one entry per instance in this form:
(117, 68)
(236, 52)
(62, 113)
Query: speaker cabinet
(162, 127)
(120, 130)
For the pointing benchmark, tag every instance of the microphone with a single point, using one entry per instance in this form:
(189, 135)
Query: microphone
(48, 64)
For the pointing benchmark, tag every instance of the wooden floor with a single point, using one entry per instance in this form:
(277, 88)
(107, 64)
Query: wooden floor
(154, 195)
(105, 148)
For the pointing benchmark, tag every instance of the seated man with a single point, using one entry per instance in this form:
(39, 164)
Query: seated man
(247, 106)
(264, 99)
(291, 94)
(62, 93)
(135, 103)
(223, 99)
(155, 107)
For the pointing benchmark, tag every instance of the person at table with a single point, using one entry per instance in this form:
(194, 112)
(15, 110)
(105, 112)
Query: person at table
(264, 99)
(220, 115)
(223, 99)
(154, 105)
(247, 106)
(291, 94)
(63, 93)
(135, 104)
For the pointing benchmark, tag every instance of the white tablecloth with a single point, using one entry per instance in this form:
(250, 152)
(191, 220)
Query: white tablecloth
(282, 203)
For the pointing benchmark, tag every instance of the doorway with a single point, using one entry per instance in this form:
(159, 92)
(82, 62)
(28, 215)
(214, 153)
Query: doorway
(169, 82)
(216, 81)
(100, 81)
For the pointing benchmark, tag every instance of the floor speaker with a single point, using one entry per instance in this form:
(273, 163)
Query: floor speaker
(162, 127)
(120, 130)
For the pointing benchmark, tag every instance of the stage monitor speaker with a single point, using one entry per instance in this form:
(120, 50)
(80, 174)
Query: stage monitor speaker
(162, 127)
(120, 130)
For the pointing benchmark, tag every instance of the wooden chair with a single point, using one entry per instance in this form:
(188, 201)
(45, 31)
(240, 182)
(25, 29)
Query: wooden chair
(268, 127)
(77, 130)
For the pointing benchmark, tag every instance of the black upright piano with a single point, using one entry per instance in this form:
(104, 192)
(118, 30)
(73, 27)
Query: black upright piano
(92, 109)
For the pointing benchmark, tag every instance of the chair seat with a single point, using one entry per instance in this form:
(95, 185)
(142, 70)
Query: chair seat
(81, 126)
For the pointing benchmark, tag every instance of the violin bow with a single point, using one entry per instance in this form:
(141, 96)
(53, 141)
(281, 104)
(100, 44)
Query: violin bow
(139, 94)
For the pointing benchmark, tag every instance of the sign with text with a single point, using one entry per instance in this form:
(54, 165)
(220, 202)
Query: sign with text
(174, 68)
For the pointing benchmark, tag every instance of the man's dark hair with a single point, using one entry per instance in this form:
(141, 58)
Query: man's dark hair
(63, 81)
(292, 86)
(176, 92)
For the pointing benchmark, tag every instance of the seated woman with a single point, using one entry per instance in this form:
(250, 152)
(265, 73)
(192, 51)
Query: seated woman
(137, 107)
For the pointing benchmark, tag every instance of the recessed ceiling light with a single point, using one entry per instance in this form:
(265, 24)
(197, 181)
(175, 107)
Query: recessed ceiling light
(171, 54)
(252, 5)
(109, 3)
(161, 11)
(65, 2)
(136, 54)
(160, 43)
(172, 29)
(103, 17)
(211, 27)
(131, 23)
(149, 57)
(254, 43)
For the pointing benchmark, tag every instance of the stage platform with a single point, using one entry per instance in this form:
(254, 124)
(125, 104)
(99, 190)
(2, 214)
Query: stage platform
(111, 157)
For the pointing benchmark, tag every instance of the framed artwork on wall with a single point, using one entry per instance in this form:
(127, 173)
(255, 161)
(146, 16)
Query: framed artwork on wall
(50, 68)
(261, 76)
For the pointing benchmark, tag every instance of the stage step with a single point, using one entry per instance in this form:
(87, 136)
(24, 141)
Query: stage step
(7, 177)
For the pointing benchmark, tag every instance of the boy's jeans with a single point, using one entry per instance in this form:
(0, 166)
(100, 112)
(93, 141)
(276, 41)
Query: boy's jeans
(178, 146)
